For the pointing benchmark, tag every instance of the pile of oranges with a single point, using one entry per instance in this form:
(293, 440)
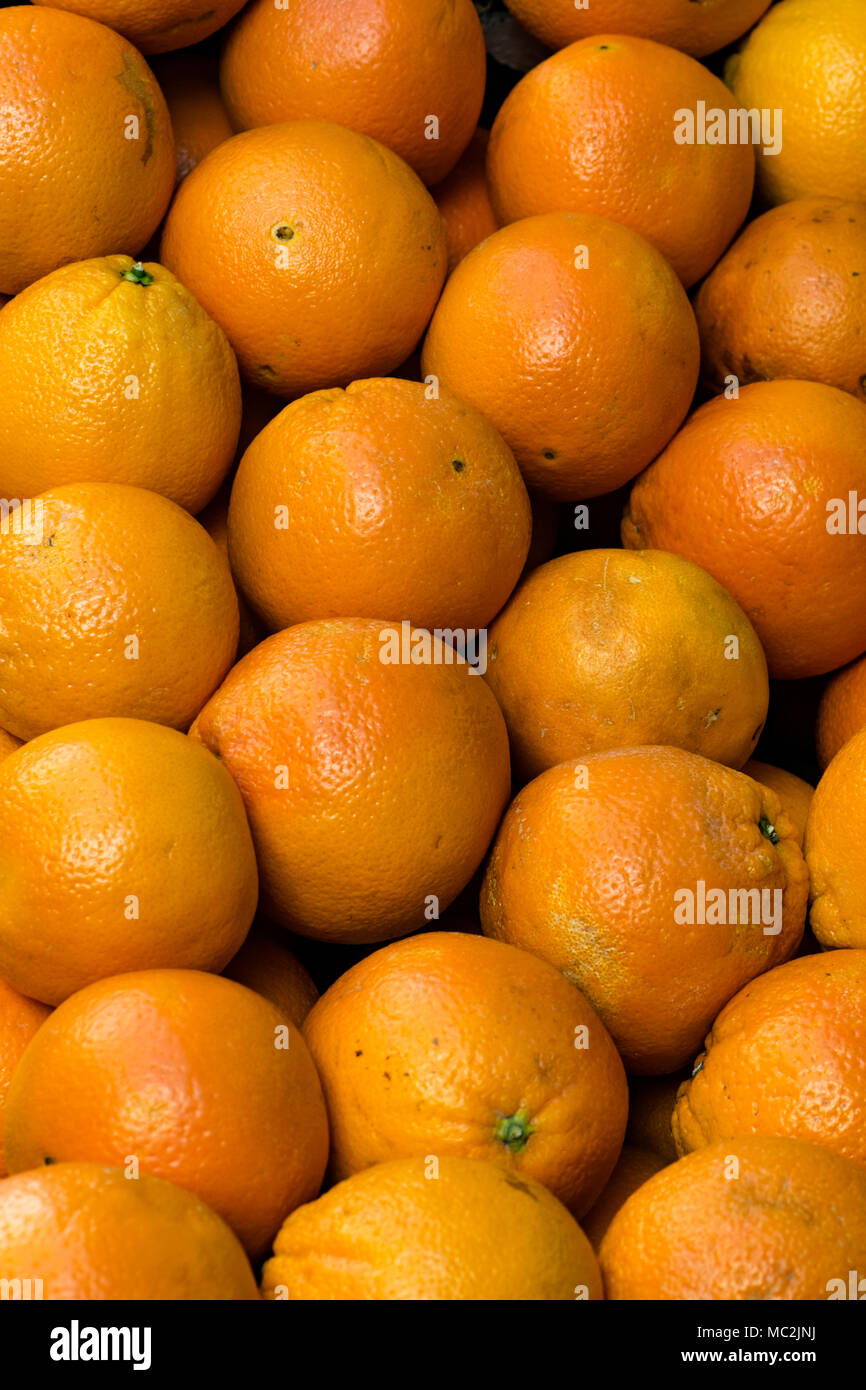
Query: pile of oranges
(427, 497)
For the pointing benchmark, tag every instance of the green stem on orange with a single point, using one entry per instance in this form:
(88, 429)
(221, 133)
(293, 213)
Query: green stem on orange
(138, 275)
(515, 1130)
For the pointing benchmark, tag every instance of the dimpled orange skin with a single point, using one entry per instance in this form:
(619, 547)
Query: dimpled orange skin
(89, 1232)
(19, 1019)
(789, 299)
(402, 1232)
(318, 251)
(157, 25)
(463, 200)
(594, 651)
(369, 785)
(123, 846)
(204, 1081)
(528, 338)
(190, 85)
(269, 968)
(794, 794)
(634, 1167)
(745, 490)
(452, 1044)
(786, 1056)
(382, 74)
(842, 711)
(73, 182)
(120, 363)
(835, 835)
(585, 871)
(695, 28)
(591, 130)
(398, 506)
(124, 607)
(786, 1222)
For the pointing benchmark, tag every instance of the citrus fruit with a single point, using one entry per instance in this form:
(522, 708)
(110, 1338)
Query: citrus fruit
(842, 711)
(463, 200)
(835, 834)
(199, 120)
(695, 28)
(794, 793)
(154, 27)
(633, 1168)
(8, 744)
(19, 1019)
(267, 966)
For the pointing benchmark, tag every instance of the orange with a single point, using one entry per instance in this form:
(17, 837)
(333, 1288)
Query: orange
(695, 28)
(193, 1077)
(379, 502)
(794, 794)
(789, 299)
(86, 150)
(786, 1056)
(442, 1229)
(412, 76)
(657, 881)
(575, 339)
(807, 58)
(199, 120)
(8, 744)
(754, 1220)
(374, 767)
(634, 1168)
(123, 846)
(650, 1107)
(265, 965)
(144, 383)
(115, 602)
(157, 25)
(450, 1044)
(835, 835)
(215, 520)
(758, 491)
(463, 200)
(592, 652)
(92, 1233)
(842, 711)
(19, 1019)
(318, 251)
(597, 129)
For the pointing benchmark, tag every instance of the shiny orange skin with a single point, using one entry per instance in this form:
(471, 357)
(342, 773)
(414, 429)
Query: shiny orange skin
(634, 1167)
(382, 72)
(746, 490)
(92, 1233)
(73, 183)
(125, 607)
(318, 251)
(19, 1019)
(842, 711)
(267, 966)
(787, 1056)
(794, 793)
(589, 868)
(122, 364)
(396, 506)
(835, 834)
(199, 120)
(451, 1044)
(157, 25)
(123, 846)
(463, 200)
(789, 299)
(591, 130)
(650, 1107)
(409, 1230)
(750, 1219)
(696, 29)
(592, 650)
(586, 372)
(372, 787)
(203, 1081)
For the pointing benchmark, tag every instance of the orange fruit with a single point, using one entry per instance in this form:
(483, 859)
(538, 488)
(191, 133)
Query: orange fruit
(463, 200)
(696, 29)
(789, 299)
(794, 794)
(123, 846)
(265, 965)
(650, 1107)
(19, 1019)
(757, 490)
(86, 150)
(657, 881)
(835, 834)
(215, 520)
(377, 501)
(451, 1044)
(575, 339)
(807, 58)
(842, 711)
(8, 744)
(594, 129)
(590, 651)
(88, 1232)
(199, 120)
(787, 1056)
(432, 1229)
(634, 1167)
(154, 28)
(758, 1219)
(115, 602)
(120, 353)
(373, 784)
(318, 251)
(382, 72)
(199, 1079)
